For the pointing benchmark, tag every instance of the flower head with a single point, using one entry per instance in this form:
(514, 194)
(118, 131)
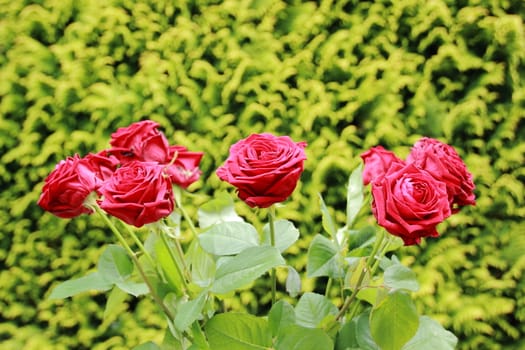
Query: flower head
(67, 187)
(264, 168)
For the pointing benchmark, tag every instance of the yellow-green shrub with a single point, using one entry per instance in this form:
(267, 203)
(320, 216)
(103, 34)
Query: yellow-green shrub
(342, 75)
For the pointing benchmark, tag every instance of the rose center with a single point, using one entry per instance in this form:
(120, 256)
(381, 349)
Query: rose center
(415, 190)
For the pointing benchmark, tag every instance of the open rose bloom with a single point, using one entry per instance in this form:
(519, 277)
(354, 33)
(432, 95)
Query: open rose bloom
(138, 193)
(444, 163)
(410, 198)
(264, 168)
(143, 142)
(67, 187)
(132, 180)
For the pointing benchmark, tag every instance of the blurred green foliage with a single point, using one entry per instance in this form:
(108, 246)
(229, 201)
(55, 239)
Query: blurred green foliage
(342, 75)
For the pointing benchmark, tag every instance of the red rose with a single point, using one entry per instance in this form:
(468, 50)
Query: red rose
(184, 169)
(409, 202)
(140, 141)
(264, 168)
(131, 136)
(138, 193)
(102, 165)
(443, 162)
(67, 187)
(377, 161)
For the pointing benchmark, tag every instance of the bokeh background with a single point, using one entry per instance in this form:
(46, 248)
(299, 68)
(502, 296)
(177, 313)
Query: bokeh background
(343, 75)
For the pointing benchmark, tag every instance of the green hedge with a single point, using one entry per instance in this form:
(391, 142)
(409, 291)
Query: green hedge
(342, 75)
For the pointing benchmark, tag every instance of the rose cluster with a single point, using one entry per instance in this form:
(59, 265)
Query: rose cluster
(132, 180)
(411, 197)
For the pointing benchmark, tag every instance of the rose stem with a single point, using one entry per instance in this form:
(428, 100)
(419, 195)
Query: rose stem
(378, 243)
(140, 245)
(328, 287)
(178, 201)
(174, 259)
(271, 218)
(386, 244)
(131, 253)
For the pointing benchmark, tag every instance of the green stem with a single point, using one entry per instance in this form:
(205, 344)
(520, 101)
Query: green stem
(386, 243)
(328, 286)
(353, 311)
(273, 273)
(174, 259)
(155, 296)
(114, 229)
(133, 256)
(185, 215)
(377, 245)
(180, 252)
(368, 267)
(349, 300)
(178, 201)
(138, 242)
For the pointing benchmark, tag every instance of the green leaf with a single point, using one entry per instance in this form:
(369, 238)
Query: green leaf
(113, 304)
(293, 282)
(170, 342)
(394, 321)
(228, 238)
(394, 244)
(374, 293)
(363, 334)
(134, 288)
(244, 268)
(301, 338)
(114, 264)
(147, 346)
(202, 265)
(285, 234)
(171, 273)
(190, 311)
(199, 338)
(219, 209)
(347, 337)
(312, 308)
(281, 315)
(173, 223)
(362, 238)
(431, 336)
(353, 274)
(323, 259)
(238, 331)
(354, 195)
(93, 281)
(400, 277)
(327, 221)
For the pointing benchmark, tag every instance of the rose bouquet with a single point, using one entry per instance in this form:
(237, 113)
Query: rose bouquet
(137, 187)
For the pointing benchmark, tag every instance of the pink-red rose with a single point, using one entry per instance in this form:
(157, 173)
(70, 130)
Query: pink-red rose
(142, 141)
(138, 193)
(129, 138)
(183, 167)
(409, 203)
(67, 187)
(377, 161)
(102, 165)
(264, 168)
(444, 163)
